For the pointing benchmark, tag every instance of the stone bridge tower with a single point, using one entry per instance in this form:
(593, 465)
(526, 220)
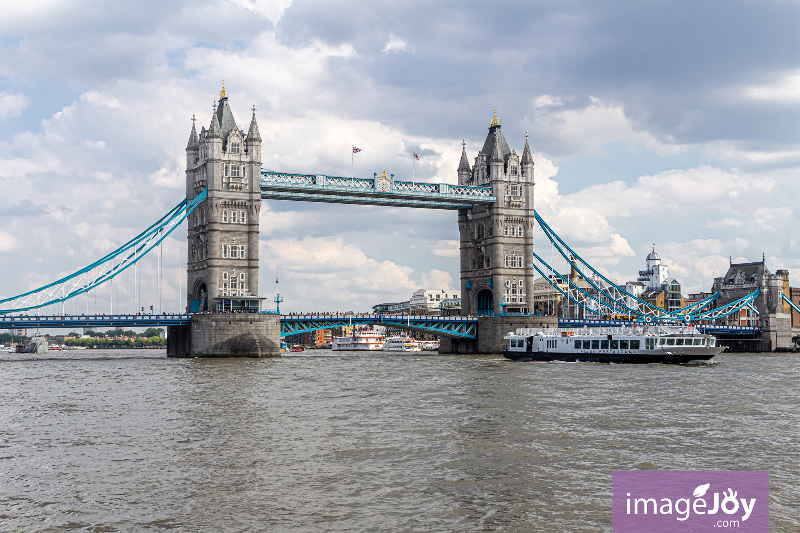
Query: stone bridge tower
(222, 266)
(496, 240)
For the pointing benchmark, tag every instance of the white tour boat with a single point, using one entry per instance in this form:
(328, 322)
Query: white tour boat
(401, 344)
(429, 346)
(359, 341)
(649, 344)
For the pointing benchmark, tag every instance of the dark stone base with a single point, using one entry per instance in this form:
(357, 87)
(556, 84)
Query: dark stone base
(226, 335)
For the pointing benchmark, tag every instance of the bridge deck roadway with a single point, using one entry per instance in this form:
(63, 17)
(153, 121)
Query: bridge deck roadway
(447, 326)
(89, 321)
(456, 327)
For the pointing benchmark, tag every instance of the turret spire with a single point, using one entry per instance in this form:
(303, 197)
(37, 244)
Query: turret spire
(213, 131)
(495, 121)
(527, 159)
(464, 164)
(253, 133)
(194, 140)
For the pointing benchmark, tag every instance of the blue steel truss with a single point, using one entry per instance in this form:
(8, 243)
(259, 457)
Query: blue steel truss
(703, 328)
(790, 302)
(608, 298)
(380, 190)
(105, 268)
(448, 326)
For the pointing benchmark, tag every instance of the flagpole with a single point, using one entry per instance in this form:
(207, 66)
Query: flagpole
(352, 164)
(412, 171)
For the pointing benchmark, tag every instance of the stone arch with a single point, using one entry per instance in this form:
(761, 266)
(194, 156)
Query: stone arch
(484, 303)
(199, 295)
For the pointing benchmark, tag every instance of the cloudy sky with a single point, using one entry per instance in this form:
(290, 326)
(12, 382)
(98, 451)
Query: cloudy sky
(674, 123)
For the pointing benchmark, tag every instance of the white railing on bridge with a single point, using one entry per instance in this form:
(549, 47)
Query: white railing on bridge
(286, 181)
(376, 316)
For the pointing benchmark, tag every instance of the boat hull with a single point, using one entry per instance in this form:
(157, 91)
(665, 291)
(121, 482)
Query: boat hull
(651, 356)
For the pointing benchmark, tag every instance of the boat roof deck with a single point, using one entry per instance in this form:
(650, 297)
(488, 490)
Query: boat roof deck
(639, 331)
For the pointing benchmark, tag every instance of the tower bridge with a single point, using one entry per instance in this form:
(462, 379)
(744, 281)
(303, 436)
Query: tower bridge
(494, 200)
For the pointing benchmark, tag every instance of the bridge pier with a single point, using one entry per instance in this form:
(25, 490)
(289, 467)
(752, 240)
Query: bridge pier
(490, 333)
(226, 335)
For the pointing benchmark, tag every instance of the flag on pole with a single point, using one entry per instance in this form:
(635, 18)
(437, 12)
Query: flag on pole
(416, 156)
(356, 150)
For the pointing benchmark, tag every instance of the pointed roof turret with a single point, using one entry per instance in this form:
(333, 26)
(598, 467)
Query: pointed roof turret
(253, 133)
(225, 117)
(495, 137)
(194, 140)
(526, 153)
(464, 164)
(213, 131)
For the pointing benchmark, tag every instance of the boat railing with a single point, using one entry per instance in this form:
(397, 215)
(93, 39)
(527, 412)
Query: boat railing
(636, 330)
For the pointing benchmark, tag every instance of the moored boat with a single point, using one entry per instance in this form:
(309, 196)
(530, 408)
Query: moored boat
(429, 346)
(37, 344)
(297, 348)
(651, 344)
(359, 341)
(401, 344)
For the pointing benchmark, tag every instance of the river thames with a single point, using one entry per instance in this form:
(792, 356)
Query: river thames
(128, 440)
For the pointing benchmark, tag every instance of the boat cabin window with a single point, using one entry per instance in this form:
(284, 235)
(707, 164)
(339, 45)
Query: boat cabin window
(712, 342)
(586, 344)
(615, 344)
(679, 342)
(577, 345)
(623, 344)
(604, 344)
(596, 344)
(661, 342)
(698, 342)
(635, 344)
(670, 342)
(649, 343)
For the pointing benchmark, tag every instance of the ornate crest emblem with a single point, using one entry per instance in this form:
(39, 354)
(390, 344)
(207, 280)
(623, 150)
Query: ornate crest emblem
(383, 182)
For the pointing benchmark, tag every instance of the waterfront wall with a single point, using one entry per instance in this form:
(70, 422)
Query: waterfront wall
(491, 330)
(226, 335)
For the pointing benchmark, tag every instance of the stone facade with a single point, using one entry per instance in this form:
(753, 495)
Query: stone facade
(223, 229)
(496, 240)
(743, 279)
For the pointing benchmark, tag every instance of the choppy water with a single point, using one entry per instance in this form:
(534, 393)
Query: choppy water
(128, 440)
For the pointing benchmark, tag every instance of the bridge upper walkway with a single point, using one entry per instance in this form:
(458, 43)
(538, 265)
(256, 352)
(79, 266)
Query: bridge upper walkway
(380, 190)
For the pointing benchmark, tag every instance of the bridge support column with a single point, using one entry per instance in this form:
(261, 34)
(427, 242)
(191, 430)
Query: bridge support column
(226, 335)
(491, 330)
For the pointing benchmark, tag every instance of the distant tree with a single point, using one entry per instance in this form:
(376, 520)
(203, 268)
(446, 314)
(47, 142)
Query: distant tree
(7, 338)
(73, 334)
(152, 332)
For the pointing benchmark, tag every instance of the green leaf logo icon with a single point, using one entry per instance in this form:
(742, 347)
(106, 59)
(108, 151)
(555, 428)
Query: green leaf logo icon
(699, 491)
